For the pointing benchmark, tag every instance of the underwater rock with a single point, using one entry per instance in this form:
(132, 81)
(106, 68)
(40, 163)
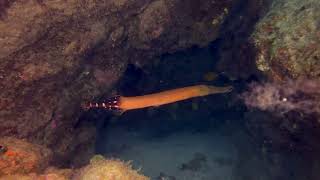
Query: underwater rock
(287, 40)
(21, 157)
(100, 168)
(56, 54)
(198, 162)
(236, 51)
(52, 174)
(292, 132)
(277, 41)
(168, 26)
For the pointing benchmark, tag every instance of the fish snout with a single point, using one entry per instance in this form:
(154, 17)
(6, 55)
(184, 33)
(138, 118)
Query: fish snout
(226, 89)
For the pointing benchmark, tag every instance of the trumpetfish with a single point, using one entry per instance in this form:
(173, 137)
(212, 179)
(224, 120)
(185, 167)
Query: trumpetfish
(122, 103)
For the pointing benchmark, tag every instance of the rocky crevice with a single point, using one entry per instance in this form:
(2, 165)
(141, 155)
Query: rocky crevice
(57, 54)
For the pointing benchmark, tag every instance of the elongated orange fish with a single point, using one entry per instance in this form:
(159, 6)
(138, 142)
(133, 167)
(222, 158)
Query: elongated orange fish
(122, 103)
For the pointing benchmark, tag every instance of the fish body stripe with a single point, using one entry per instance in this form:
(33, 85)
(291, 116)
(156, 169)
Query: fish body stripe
(109, 104)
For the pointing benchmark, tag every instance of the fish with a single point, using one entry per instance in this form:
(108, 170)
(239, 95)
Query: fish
(123, 103)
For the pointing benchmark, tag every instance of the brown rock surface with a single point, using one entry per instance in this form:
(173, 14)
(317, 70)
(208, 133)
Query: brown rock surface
(21, 157)
(277, 41)
(101, 168)
(287, 45)
(237, 53)
(98, 168)
(287, 40)
(56, 54)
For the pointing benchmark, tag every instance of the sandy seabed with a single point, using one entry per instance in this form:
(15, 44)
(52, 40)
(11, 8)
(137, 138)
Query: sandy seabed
(214, 154)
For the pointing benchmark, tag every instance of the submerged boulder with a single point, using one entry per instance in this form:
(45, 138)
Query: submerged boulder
(101, 168)
(287, 40)
(287, 45)
(98, 168)
(21, 157)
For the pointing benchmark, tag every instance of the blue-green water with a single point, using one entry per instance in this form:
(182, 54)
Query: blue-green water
(225, 152)
(204, 138)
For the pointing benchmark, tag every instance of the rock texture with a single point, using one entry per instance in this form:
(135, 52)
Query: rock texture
(279, 38)
(55, 54)
(237, 52)
(100, 167)
(287, 45)
(277, 41)
(287, 40)
(21, 157)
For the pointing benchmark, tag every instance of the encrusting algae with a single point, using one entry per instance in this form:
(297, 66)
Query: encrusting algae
(104, 169)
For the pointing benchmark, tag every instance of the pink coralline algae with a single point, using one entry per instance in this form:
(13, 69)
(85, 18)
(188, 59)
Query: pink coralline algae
(301, 95)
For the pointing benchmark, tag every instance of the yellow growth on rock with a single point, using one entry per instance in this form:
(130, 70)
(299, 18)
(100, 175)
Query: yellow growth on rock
(105, 169)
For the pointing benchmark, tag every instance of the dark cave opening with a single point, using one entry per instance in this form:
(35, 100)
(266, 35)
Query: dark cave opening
(218, 123)
(133, 135)
(220, 117)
